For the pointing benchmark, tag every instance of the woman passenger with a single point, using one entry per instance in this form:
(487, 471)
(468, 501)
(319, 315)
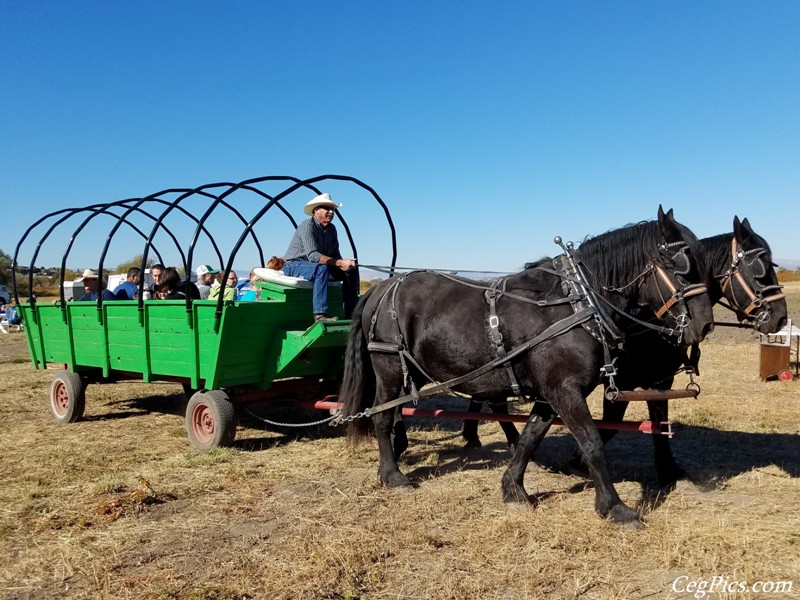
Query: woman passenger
(169, 287)
(230, 287)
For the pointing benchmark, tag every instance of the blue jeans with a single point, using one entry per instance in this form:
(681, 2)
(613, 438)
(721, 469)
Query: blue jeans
(320, 275)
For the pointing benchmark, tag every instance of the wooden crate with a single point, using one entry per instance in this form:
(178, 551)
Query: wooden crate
(774, 359)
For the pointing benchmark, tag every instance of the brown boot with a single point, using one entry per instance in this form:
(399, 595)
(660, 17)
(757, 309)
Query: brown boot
(323, 318)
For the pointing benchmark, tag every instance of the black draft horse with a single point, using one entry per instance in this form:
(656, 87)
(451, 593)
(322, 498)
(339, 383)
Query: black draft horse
(423, 326)
(740, 271)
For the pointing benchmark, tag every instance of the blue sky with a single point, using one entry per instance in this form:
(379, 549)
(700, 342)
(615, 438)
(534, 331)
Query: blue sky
(488, 128)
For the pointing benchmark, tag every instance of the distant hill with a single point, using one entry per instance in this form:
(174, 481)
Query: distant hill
(788, 263)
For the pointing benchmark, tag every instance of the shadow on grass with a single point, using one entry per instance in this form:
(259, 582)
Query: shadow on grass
(174, 404)
(709, 456)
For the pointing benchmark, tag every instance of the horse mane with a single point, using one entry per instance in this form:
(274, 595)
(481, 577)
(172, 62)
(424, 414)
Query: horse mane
(537, 263)
(619, 256)
(717, 252)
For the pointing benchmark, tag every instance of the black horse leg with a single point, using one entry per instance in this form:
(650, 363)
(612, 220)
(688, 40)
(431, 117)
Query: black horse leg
(499, 406)
(668, 470)
(613, 412)
(388, 471)
(399, 437)
(578, 419)
(469, 430)
(535, 429)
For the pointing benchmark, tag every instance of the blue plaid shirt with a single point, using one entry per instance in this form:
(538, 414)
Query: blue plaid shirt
(311, 241)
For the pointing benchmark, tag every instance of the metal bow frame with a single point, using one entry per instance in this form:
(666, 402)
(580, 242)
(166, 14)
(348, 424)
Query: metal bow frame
(219, 194)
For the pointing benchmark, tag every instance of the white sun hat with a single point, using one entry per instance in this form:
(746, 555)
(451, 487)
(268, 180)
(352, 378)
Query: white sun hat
(321, 200)
(88, 274)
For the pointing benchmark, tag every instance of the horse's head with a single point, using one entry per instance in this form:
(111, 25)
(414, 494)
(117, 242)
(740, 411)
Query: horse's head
(656, 269)
(750, 284)
(676, 287)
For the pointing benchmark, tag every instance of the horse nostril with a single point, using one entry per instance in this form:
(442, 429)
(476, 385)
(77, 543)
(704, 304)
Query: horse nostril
(708, 328)
(781, 323)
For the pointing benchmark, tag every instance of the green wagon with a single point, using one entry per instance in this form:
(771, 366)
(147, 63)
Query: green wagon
(225, 353)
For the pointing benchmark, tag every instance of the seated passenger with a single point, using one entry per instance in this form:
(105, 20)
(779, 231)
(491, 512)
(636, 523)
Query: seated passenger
(230, 287)
(246, 289)
(129, 289)
(170, 287)
(91, 285)
(205, 278)
(155, 272)
(276, 263)
(314, 255)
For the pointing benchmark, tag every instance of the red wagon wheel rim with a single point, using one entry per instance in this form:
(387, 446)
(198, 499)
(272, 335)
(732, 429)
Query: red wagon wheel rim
(202, 423)
(60, 398)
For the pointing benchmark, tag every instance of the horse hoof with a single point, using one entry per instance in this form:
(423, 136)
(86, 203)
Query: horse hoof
(519, 506)
(631, 525)
(625, 517)
(687, 486)
(472, 444)
(518, 498)
(398, 481)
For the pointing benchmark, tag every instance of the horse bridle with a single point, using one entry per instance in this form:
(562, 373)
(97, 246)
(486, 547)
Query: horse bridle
(757, 298)
(678, 294)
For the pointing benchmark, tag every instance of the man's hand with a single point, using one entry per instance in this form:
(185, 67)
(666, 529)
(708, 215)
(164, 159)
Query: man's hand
(345, 264)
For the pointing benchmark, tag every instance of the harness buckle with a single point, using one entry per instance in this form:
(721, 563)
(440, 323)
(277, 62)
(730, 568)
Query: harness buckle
(494, 322)
(609, 370)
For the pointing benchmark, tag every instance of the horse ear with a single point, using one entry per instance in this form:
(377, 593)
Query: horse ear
(742, 229)
(665, 218)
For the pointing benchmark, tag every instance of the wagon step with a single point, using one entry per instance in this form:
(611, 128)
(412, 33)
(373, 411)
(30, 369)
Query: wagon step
(322, 334)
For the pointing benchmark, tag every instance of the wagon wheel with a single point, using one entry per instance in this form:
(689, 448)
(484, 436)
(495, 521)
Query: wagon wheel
(67, 397)
(785, 375)
(210, 420)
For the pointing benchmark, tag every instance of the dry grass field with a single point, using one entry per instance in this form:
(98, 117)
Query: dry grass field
(120, 506)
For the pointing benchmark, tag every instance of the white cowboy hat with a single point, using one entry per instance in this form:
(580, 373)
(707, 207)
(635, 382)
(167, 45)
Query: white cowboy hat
(88, 274)
(321, 200)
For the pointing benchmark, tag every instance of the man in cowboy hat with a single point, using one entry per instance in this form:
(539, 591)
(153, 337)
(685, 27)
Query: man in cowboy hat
(91, 285)
(314, 255)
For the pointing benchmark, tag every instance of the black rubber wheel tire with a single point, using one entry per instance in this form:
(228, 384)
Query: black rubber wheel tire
(210, 420)
(67, 397)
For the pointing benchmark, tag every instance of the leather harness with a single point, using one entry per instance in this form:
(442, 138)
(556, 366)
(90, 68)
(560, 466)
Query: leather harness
(588, 312)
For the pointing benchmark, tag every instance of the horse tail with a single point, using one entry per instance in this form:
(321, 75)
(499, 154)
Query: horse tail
(357, 391)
